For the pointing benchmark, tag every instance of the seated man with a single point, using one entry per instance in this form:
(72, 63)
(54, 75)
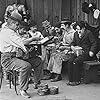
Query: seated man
(9, 42)
(56, 58)
(48, 30)
(31, 56)
(84, 48)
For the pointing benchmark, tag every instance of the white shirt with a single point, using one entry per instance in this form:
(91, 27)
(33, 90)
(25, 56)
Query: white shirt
(9, 41)
(68, 36)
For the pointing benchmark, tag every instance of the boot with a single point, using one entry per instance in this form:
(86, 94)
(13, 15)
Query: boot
(57, 78)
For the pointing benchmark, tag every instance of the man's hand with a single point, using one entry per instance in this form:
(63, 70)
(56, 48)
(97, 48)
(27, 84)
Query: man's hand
(26, 52)
(36, 37)
(91, 53)
(73, 48)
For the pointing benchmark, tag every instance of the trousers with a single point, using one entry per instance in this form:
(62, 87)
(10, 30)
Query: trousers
(10, 62)
(75, 64)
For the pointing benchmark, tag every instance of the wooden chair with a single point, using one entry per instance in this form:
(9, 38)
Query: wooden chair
(12, 74)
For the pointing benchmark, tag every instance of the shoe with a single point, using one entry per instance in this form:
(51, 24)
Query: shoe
(70, 83)
(77, 83)
(36, 85)
(73, 83)
(46, 77)
(46, 72)
(57, 78)
(24, 94)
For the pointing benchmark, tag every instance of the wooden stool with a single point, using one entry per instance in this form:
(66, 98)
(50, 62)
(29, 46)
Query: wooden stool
(12, 74)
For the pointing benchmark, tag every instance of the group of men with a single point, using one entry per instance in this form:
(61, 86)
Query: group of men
(72, 43)
(76, 46)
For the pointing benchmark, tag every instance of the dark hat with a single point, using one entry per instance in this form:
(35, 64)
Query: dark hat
(66, 21)
(16, 16)
(85, 7)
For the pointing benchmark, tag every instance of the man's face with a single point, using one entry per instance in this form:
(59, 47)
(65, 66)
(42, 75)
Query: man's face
(22, 30)
(79, 30)
(63, 27)
(57, 29)
(15, 25)
(48, 27)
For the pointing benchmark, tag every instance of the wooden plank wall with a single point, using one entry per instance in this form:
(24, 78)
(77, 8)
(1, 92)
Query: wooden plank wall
(45, 9)
(40, 9)
(2, 8)
(77, 13)
(52, 10)
(65, 9)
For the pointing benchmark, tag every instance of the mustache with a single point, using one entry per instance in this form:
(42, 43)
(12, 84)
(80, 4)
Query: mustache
(62, 28)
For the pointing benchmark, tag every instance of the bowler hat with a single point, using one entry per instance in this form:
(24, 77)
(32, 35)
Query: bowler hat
(16, 16)
(66, 21)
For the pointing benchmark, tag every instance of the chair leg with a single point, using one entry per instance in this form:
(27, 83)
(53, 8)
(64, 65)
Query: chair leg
(1, 77)
(14, 80)
(10, 78)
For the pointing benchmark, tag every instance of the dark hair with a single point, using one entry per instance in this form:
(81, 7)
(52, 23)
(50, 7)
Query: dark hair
(66, 21)
(85, 7)
(81, 24)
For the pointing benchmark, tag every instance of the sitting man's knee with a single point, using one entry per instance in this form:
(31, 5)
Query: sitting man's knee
(26, 65)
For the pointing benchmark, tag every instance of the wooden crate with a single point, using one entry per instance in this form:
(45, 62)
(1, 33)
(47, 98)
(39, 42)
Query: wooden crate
(91, 70)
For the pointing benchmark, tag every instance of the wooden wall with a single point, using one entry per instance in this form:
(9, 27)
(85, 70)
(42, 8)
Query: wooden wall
(2, 8)
(45, 9)
(77, 13)
(40, 9)
(66, 9)
(53, 10)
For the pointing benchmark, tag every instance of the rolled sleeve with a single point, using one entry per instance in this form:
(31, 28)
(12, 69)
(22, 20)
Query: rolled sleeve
(17, 42)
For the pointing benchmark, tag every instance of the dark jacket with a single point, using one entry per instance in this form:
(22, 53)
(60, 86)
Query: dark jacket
(87, 42)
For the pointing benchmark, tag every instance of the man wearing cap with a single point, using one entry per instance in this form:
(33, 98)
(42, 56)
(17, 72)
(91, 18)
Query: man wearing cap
(56, 58)
(9, 42)
(48, 30)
